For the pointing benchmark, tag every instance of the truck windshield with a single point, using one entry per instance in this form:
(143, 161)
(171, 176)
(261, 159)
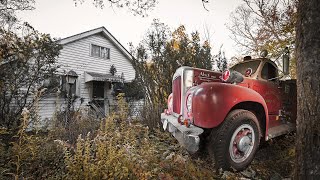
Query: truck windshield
(242, 67)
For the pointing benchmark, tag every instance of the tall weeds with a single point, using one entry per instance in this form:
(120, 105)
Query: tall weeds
(120, 148)
(150, 115)
(128, 150)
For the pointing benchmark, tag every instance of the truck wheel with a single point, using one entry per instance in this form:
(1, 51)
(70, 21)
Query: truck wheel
(234, 143)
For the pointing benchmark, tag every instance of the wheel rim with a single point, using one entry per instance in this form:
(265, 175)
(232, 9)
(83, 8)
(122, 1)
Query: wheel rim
(242, 143)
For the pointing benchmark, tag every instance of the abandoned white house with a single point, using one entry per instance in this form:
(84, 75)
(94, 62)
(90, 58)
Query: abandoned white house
(90, 56)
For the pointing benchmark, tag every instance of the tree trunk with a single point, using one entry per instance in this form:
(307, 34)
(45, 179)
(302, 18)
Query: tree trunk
(308, 80)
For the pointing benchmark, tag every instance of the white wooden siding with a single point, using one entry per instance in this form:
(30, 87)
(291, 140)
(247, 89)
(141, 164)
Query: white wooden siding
(49, 105)
(76, 56)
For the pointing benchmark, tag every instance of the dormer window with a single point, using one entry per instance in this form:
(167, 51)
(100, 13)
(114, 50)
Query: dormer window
(99, 51)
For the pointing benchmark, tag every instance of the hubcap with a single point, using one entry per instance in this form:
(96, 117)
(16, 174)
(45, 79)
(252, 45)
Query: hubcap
(241, 143)
(244, 143)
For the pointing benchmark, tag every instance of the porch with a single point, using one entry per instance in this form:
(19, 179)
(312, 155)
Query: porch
(101, 89)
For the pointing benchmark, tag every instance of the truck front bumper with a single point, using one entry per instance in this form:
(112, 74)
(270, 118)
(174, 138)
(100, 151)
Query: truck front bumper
(188, 137)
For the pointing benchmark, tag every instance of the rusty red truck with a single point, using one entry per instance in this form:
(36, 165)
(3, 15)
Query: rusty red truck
(230, 113)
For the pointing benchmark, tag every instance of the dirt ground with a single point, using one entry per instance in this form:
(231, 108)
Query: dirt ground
(274, 160)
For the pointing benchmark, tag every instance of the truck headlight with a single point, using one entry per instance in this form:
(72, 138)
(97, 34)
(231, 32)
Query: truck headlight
(189, 102)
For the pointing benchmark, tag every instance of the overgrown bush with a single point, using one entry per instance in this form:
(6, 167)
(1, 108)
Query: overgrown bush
(25, 63)
(30, 154)
(129, 150)
(78, 123)
(150, 115)
(120, 149)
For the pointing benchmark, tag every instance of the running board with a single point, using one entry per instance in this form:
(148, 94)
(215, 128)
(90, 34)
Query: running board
(280, 130)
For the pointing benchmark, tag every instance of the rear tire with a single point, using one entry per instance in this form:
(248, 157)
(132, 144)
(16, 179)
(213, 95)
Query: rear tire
(234, 143)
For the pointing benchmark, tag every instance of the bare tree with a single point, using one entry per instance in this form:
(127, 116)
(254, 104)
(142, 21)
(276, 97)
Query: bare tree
(8, 9)
(308, 120)
(137, 7)
(261, 24)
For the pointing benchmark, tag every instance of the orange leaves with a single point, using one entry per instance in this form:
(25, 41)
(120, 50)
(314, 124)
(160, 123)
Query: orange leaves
(161, 53)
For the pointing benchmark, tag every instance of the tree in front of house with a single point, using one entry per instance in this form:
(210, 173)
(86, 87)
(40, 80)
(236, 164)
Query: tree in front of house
(159, 55)
(134, 90)
(27, 64)
(265, 25)
(8, 10)
(308, 91)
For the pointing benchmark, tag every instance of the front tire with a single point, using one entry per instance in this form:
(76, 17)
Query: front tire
(234, 143)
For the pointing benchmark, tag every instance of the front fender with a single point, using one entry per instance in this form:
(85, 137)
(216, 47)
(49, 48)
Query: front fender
(213, 101)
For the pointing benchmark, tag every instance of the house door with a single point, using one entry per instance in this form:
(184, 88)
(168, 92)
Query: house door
(98, 95)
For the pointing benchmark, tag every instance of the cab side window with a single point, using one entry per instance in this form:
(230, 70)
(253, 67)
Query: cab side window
(269, 72)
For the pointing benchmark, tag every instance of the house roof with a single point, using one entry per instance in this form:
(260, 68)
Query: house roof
(101, 30)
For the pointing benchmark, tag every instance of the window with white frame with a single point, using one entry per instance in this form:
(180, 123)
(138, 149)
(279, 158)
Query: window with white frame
(99, 51)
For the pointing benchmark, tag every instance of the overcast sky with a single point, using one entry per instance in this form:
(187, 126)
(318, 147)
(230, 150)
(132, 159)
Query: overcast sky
(61, 18)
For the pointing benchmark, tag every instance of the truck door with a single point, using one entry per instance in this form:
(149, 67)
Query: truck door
(268, 86)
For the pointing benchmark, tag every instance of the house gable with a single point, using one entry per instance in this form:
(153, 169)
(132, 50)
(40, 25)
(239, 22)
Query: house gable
(76, 54)
(101, 30)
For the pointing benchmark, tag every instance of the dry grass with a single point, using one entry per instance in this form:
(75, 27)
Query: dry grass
(123, 149)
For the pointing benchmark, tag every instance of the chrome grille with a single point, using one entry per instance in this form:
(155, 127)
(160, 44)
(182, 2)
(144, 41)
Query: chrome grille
(176, 91)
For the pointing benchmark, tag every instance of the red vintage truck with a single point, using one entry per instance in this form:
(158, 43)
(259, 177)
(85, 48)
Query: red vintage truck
(229, 113)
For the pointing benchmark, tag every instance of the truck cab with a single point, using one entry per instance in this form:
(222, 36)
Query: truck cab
(232, 111)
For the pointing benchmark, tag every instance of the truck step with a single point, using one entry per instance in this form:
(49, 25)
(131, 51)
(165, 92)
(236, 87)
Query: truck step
(280, 130)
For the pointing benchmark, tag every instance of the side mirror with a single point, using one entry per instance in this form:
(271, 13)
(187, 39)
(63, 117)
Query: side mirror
(285, 59)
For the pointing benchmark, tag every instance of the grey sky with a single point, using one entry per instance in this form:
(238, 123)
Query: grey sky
(61, 18)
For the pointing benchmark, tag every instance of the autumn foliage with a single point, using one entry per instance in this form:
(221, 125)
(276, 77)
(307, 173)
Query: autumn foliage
(158, 56)
(270, 25)
(26, 60)
(127, 150)
(119, 149)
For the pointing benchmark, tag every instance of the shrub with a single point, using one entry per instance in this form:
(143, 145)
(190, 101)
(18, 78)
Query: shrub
(129, 150)
(26, 62)
(119, 149)
(123, 150)
(150, 115)
(78, 123)
(30, 154)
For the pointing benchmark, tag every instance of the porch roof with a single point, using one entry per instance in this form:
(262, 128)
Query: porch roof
(92, 76)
